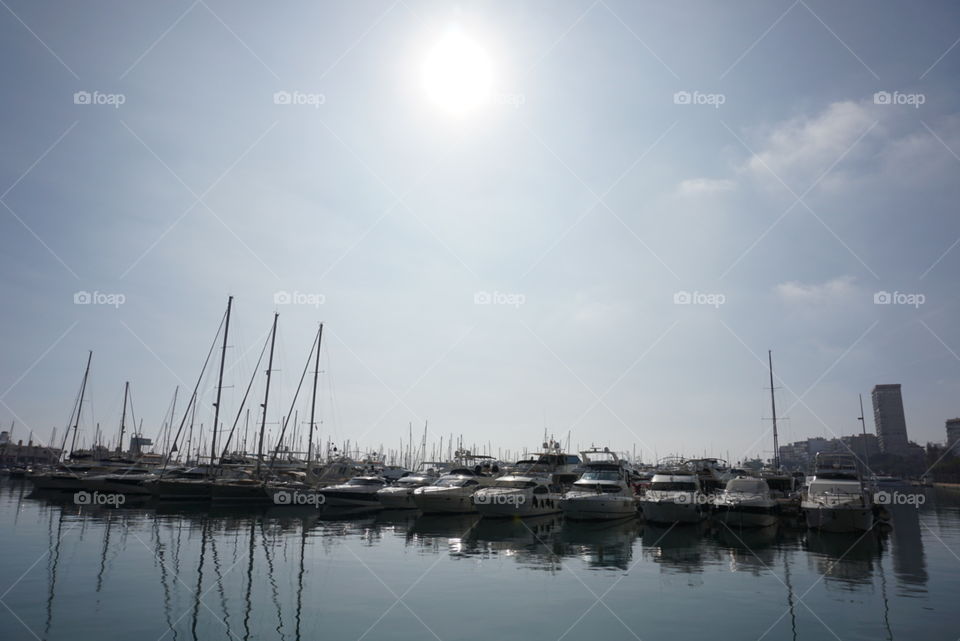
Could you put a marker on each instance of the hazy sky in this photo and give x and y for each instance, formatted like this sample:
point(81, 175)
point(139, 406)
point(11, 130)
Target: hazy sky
point(586, 196)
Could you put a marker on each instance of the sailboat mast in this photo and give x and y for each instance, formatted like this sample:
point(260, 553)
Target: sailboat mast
point(83, 389)
point(266, 394)
point(313, 401)
point(773, 407)
point(123, 416)
point(863, 424)
point(216, 406)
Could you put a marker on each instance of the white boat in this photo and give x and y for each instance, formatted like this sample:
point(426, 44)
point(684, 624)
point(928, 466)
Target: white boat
point(399, 496)
point(746, 502)
point(675, 496)
point(360, 491)
point(562, 468)
point(452, 493)
point(602, 492)
point(836, 499)
point(518, 495)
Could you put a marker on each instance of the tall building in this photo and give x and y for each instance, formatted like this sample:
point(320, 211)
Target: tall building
point(889, 420)
point(953, 435)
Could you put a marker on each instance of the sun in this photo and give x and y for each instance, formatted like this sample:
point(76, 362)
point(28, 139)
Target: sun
point(457, 74)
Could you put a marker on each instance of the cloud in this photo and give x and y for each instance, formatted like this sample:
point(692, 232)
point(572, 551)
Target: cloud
point(699, 186)
point(795, 292)
point(801, 149)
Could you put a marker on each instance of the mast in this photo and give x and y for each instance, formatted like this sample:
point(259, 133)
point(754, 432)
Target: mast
point(773, 407)
point(313, 403)
point(216, 406)
point(266, 394)
point(123, 416)
point(863, 424)
point(83, 389)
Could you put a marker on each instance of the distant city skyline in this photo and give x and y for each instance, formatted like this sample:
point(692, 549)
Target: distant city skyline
point(593, 220)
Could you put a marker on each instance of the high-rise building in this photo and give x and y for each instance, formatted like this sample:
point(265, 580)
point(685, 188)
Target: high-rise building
point(888, 418)
point(953, 435)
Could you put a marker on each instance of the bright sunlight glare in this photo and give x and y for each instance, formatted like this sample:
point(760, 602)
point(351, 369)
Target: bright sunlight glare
point(457, 74)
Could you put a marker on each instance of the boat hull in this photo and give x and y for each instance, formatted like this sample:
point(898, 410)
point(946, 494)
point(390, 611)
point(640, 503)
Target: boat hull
point(399, 500)
point(745, 516)
point(181, 490)
point(335, 498)
point(598, 508)
point(444, 503)
point(531, 506)
point(129, 486)
point(239, 492)
point(57, 482)
point(839, 519)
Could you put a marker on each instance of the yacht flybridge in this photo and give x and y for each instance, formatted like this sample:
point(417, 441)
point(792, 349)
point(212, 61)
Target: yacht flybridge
point(603, 491)
point(836, 499)
point(675, 495)
point(452, 493)
point(746, 502)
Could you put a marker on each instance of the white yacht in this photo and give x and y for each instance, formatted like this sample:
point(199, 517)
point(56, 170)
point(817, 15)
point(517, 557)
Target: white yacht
point(399, 496)
point(746, 502)
point(360, 491)
point(562, 468)
point(602, 492)
point(674, 496)
point(452, 493)
point(836, 499)
point(518, 495)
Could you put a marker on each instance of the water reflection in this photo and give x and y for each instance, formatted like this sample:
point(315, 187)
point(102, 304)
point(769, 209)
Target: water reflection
point(261, 572)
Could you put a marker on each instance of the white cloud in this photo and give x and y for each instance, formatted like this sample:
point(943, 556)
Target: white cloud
point(800, 293)
point(697, 186)
point(801, 149)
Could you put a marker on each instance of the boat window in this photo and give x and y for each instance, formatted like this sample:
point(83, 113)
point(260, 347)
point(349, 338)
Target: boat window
point(471, 482)
point(600, 475)
point(519, 485)
point(364, 482)
point(540, 489)
point(674, 486)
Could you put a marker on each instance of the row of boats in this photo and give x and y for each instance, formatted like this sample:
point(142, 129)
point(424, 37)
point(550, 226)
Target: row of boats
point(597, 485)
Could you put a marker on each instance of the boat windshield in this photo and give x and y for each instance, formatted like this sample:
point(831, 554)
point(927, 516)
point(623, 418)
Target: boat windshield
point(451, 482)
point(516, 484)
point(364, 482)
point(413, 480)
point(674, 486)
point(600, 475)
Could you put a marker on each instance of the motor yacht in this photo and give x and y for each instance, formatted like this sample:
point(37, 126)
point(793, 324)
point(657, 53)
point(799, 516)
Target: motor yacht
point(360, 491)
point(399, 496)
point(675, 496)
point(452, 493)
point(518, 495)
point(603, 491)
point(746, 502)
point(836, 499)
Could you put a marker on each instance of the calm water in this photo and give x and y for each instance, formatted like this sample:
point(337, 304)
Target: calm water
point(178, 573)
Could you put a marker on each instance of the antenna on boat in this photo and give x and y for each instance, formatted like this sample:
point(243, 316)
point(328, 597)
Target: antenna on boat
point(313, 402)
point(123, 416)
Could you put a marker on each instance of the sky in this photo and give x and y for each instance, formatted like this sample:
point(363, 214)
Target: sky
point(630, 204)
